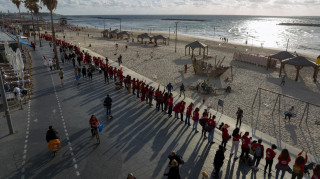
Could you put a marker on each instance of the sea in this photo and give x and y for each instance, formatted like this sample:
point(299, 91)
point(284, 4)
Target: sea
point(261, 31)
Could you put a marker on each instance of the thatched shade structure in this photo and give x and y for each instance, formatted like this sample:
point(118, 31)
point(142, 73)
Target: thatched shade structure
point(105, 33)
point(160, 37)
point(280, 56)
point(299, 62)
point(114, 33)
point(124, 33)
point(143, 36)
point(197, 44)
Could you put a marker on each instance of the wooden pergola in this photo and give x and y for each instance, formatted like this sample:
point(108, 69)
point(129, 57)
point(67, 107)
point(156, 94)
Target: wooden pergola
point(124, 33)
point(299, 62)
point(105, 33)
point(143, 36)
point(280, 56)
point(197, 44)
point(164, 39)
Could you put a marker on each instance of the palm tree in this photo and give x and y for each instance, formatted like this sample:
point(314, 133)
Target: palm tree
point(52, 5)
point(36, 11)
point(17, 3)
point(31, 5)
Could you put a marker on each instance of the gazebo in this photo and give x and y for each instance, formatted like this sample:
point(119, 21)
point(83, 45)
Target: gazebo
point(114, 33)
point(280, 56)
point(160, 37)
point(143, 36)
point(299, 62)
point(123, 33)
point(197, 44)
point(105, 33)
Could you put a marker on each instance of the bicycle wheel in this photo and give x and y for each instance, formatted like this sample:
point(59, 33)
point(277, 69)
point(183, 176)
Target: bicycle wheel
point(97, 136)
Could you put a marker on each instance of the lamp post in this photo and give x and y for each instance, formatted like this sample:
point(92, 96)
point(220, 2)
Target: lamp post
point(175, 46)
point(120, 24)
point(5, 105)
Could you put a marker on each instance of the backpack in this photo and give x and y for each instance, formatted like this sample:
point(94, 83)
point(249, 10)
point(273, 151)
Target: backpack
point(201, 122)
point(208, 127)
point(258, 151)
point(296, 169)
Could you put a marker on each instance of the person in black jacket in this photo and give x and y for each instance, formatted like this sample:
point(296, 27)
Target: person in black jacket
point(51, 134)
point(107, 104)
point(173, 171)
point(174, 156)
point(218, 160)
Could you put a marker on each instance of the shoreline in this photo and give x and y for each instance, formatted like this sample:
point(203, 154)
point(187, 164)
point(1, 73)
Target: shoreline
point(311, 54)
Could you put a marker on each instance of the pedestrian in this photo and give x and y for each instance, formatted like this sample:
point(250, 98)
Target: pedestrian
point(120, 59)
point(316, 172)
point(169, 88)
point(203, 121)
point(107, 104)
point(139, 83)
point(195, 119)
point(173, 171)
point(182, 107)
point(106, 75)
point(84, 72)
point(188, 114)
point(176, 110)
point(77, 74)
point(50, 64)
point(298, 167)
point(283, 163)
point(73, 62)
point(79, 60)
point(185, 68)
point(211, 125)
point(239, 116)
point(174, 156)
point(225, 135)
point(182, 89)
point(170, 104)
point(134, 86)
point(258, 153)
point(61, 74)
point(150, 95)
point(245, 147)
point(270, 154)
point(235, 142)
point(283, 80)
point(165, 101)
point(107, 60)
point(89, 70)
point(218, 161)
point(130, 176)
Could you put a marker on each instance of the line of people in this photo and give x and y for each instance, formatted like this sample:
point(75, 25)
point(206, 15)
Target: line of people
point(164, 101)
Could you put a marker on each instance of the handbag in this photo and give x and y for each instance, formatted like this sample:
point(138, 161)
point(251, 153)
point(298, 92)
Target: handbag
point(100, 127)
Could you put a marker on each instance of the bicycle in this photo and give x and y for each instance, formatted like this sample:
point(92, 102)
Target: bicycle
point(96, 133)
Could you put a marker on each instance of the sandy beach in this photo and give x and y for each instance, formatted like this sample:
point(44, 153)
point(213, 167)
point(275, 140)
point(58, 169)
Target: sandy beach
point(167, 66)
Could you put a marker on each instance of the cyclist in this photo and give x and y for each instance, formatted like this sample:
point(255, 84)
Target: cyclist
point(51, 134)
point(94, 123)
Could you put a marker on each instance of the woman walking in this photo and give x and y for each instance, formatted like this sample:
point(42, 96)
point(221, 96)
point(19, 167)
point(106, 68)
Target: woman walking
point(235, 142)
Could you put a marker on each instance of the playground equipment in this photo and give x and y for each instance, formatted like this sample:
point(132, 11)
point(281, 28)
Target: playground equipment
point(281, 99)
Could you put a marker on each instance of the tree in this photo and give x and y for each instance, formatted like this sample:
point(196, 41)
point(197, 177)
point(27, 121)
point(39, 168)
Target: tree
point(17, 3)
point(31, 5)
point(36, 11)
point(52, 5)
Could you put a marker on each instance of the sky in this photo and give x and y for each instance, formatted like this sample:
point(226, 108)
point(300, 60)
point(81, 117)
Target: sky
point(209, 7)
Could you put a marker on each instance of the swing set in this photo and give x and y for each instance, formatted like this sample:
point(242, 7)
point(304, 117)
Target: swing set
point(278, 101)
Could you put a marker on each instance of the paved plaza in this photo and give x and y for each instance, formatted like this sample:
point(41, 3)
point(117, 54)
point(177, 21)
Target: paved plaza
point(137, 140)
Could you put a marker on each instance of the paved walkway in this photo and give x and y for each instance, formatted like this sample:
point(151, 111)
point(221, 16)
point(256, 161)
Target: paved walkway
point(138, 139)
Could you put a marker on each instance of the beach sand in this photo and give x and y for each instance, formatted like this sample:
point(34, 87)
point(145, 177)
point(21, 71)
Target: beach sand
point(167, 66)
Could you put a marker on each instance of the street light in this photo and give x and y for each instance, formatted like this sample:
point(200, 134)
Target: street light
point(175, 46)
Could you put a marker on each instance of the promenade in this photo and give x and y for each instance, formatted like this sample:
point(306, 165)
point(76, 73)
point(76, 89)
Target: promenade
point(138, 139)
